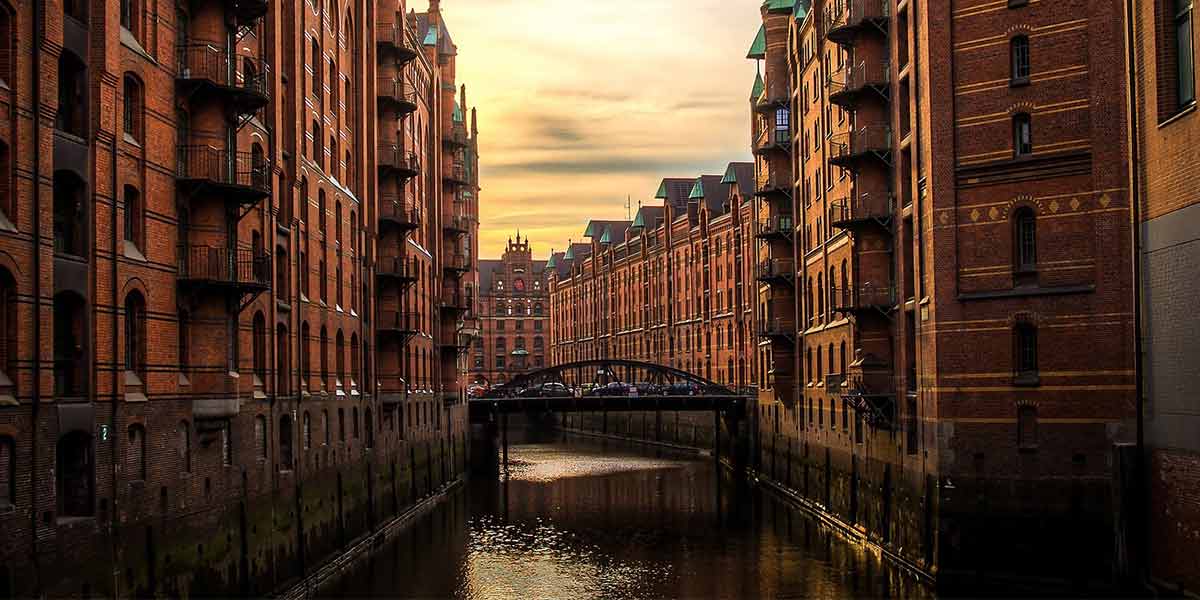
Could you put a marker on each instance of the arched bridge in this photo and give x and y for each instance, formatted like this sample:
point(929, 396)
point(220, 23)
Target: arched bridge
point(608, 385)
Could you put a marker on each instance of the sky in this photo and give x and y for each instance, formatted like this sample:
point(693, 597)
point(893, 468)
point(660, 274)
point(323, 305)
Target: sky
point(583, 103)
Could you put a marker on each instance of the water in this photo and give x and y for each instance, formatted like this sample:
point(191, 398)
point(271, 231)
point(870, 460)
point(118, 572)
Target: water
point(582, 519)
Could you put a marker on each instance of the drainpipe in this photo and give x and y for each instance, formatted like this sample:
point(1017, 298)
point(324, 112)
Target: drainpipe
point(116, 369)
point(35, 471)
point(1133, 113)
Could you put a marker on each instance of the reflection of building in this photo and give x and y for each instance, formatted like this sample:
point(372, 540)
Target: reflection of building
point(513, 316)
point(1168, 128)
point(229, 231)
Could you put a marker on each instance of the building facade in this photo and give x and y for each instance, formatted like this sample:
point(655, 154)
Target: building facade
point(931, 264)
point(1166, 134)
point(514, 316)
point(217, 218)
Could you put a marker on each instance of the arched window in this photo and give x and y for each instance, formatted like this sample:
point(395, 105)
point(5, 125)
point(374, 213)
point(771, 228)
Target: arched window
point(845, 284)
point(69, 211)
point(137, 451)
point(283, 369)
point(820, 297)
point(131, 17)
point(70, 356)
point(8, 329)
point(282, 289)
point(1022, 135)
point(259, 346)
point(340, 358)
point(349, 174)
point(260, 436)
point(354, 421)
point(337, 220)
point(1025, 240)
point(307, 431)
point(325, 426)
point(135, 334)
point(8, 472)
point(7, 195)
point(72, 93)
point(318, 152)
point(184, 341)
point(7, 49)
point(341, 424)
point(842, 357)
point(133, 108)
point(285, 442)
point(305, 355)
point(75, 477)
point(135, 218)
point(335, 170)
point(1026, 343)
point(260, 173)
point(321, 210)
point(324, 349)
point(315, 66)
point(1018, 50)
point(355, 375)
point(183, 441)
point(304, 200)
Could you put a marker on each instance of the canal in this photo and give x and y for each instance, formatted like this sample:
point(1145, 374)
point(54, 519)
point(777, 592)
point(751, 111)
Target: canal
point(586, 518)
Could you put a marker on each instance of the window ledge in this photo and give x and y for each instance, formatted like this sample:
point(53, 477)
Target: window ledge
point(1027, 380)
point(6, 224)
point(130, 41)
point(1178, 115)
point(131, 251)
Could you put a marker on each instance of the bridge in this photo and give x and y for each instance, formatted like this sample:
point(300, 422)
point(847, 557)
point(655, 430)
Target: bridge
point(656, 388)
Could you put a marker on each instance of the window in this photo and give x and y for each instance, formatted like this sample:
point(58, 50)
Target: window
point(1026, 353)
point(1019, 55)
point(8, 327)
point(8, 472)
point(6, 47)
point(260, 436)
point(328, 431)
point(324, 349)
point(355, 376)
point(184, 350)
point(135, 218)
point(135, 334)
point(1027, 428)
point(305, 355)
point(183, 446)
point(315, 67)
point(1022, 135)
point(132, 109)
point(285, 442)
point(129, 16)
point(72, 95)
point(340, 357)
point(1026, 240)
point(321, 210)
point(281, 275)
point(70, 350)
point(318, 153)
point(227, 444)
point(283, 368)
point(69, 213)
point(7, 194)
point(136, 455)
point(1185, 51)
point(75, 481)
point(259, 347)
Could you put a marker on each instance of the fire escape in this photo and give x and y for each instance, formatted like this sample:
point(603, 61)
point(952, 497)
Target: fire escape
point(863, 89)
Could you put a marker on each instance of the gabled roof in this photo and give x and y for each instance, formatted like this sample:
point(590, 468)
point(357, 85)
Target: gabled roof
point(709, 191)
point(674, 192)
point(756, 92)
point(577, 251)
point(648, 216)
point(597, 229)
point(802, 8)
point(758, 48)
point(777, 5)
point(740, 174)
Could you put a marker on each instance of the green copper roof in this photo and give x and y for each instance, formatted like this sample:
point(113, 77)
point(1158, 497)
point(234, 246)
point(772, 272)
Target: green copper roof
point(661, 194)
point(570, 255)
point(431, 37)
point(759, 87)
point(802, 8)
point(607, 237)
point(458, 113)
point(779, 4)
point(730, 175)
point(758, 49)
point(591, 230)
point(553, 262)
point(697, 190)
point(639, 220)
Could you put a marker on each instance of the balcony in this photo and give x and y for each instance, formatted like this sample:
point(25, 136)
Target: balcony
point(459, 342)
point(857, 16)
point(870, 397)
point(403, 324)
point(851, 149)
point(768, 104)
point(396, 94)
point(456, 174)
point(456, 226)
point(389, 36)
point(851, 85)
point(457, 138)
point(394, 159)
point(248, 11)
point(778, 329)
point(775, 184)
point(396, 211)
point(399, 269)
point(241, 177)
point(455, 300)
point(866, 209)
point(773, 139)
point(209, 69)
point(235, 270)
point(777, 271)
point(777, 228)
point(457, 264)
point(863, 299)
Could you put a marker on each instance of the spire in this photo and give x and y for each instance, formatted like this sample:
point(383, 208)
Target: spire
point(474, 125)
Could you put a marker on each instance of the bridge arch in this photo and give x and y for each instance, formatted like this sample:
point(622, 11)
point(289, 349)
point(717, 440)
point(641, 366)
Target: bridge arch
point(603, 371)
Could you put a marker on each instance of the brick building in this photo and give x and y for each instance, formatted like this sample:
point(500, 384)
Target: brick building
point(1166, 134)
point(513, 315)
point(221, 222)
point(930, 267)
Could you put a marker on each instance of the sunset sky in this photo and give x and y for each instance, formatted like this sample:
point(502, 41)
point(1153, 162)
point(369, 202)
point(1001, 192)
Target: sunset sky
point(582, 103)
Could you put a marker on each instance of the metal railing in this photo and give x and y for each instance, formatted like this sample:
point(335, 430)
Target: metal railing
point(457, 262)
point(393, 320)
point(777, 268)
point(861, 206)
point(395, 207)
point(457, 137)
point(771, 137)
point(455, 298)
point(777, 327)
point(224, 167)
point(211, 62)
point(779, 225)
point(854, 12)
point(858, 297)
point(863, 140)
point(398, 266)
point(876, 73)
point(222, 265)
point(834, 380)
point(395, 156)
point(457, 224)
point(397, 89)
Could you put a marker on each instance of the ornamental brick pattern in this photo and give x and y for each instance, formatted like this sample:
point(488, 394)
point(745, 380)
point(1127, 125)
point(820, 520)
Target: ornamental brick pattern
point(202, 214)
point(513, 315)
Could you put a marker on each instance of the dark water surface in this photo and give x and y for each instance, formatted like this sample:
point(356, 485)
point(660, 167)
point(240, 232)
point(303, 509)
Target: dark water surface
point(582, 518)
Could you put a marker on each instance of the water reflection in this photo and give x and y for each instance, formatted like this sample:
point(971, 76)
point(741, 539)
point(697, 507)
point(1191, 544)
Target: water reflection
point(585, 519)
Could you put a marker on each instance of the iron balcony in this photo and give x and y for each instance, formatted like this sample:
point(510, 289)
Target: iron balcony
point(457, 138)
point(394, 159)
point(239, 270)
point(405, 324)
point(393, 92)
point(777, 228)
point(210, 69)
point(455, 300)
point(457, 225)
point(402, 270)
point(396, 211)
point(389, 36)
point(865, 298)
point(456, 175)
point(865, 209)
point(775, 184)
point(849, 86)
point(773, 139)
point(841, 27)
point(240, 177)
point(457, 263)
point(248, 11)
point(777, 271)
point(850, 149)
point(778, 329)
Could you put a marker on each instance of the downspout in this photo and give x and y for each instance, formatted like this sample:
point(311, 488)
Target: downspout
point(116, 331)
point(35, 471)
point(1134, 113)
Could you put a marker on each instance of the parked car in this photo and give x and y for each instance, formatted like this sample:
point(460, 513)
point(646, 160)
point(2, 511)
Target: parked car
point(476, 390)
point(588, 389)
point(649, 389)
point(682, 388)
point(615, 388)
point(555, 390)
